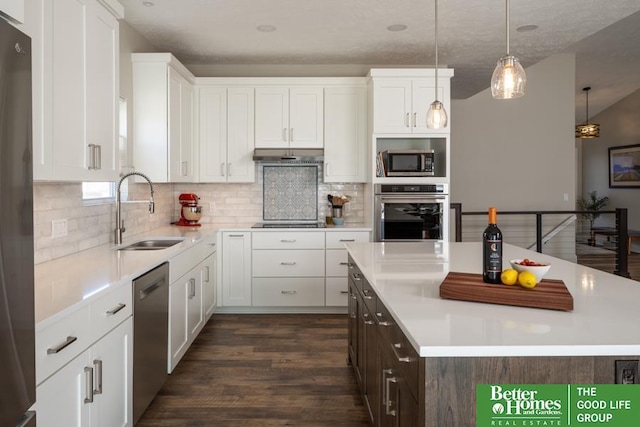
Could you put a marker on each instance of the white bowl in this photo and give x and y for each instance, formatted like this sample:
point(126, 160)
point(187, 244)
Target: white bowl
point(338, 221)
point(538, 271)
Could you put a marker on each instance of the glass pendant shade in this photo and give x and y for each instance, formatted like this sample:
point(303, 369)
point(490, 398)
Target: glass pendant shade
point(509, 79)
point(436, 116)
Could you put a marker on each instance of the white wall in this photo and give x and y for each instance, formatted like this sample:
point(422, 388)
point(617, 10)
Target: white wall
point(518, 154)
point(619, 126)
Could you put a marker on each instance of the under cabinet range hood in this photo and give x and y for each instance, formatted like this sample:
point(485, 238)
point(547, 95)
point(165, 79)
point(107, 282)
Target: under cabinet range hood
point(288, 155)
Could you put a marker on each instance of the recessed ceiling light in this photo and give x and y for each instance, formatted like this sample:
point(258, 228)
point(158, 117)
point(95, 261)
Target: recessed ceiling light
point(148, 3)
point(396, 27)
point(266, 28)
point(525, 28)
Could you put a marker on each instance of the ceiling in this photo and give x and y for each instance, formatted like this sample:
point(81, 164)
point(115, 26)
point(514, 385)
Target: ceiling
point(348, 37)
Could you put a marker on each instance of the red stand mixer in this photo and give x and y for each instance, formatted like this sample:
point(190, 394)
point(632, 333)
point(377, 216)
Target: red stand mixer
point(190, 212)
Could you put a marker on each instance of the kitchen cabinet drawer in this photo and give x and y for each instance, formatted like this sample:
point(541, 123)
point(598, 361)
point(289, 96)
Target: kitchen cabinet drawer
point(406, 358)
point(60, 342)
point(337, 240)
point(336, 292)
point(288, 263)
point(288, 292)
point(180, 264)
point(288, 240)
point(337, 263)
point(110, 310)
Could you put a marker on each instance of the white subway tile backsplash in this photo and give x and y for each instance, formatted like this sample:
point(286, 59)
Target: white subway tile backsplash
point(92, 225)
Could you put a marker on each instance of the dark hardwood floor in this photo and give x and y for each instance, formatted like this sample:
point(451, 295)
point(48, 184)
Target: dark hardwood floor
point(263, 370)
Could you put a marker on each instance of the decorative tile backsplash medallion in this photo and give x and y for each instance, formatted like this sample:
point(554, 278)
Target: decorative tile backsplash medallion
point(290, 193)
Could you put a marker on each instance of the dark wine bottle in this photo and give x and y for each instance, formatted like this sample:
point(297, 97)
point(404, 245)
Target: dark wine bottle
point(492, 250)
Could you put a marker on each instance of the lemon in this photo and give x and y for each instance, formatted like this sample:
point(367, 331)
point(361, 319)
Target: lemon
point(527, 279)
point(509, 276)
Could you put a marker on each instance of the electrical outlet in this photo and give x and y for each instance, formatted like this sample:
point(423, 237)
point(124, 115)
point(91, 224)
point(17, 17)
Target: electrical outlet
point(627, 372)
point(59, 228)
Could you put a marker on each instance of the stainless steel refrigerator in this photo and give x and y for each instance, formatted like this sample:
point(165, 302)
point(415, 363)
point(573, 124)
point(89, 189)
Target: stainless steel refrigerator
point(17, 332)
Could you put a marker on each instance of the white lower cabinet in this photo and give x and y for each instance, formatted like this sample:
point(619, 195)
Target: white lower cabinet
point(337, 265)
point(209, 274)
point(236, 268)
point(190, 297)
point(94, 389)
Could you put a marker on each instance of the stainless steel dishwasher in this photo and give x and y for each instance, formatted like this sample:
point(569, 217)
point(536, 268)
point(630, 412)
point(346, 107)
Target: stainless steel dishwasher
point(150, 336)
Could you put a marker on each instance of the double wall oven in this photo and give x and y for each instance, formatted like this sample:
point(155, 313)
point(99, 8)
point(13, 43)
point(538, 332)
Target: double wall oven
point(409, 212)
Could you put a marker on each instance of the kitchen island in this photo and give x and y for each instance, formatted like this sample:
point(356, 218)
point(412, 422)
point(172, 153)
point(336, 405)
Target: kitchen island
point(455, 345)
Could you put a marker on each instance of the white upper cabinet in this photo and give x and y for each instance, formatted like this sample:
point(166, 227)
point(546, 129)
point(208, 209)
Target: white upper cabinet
point(13, 10)
point(163, 102)
point(76, 89)
point(345, 146)
point(401, 99)
point(289, 117)
point(226, 134)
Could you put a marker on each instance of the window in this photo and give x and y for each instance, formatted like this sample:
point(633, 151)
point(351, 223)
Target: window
point(105, 192)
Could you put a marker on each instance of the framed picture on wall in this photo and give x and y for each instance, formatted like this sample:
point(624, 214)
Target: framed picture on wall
point(624, 166)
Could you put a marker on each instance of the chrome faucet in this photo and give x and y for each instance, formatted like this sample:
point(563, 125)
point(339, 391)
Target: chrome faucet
point(119, 222)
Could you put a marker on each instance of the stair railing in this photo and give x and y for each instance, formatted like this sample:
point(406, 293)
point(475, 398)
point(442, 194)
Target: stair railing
point(622, 230)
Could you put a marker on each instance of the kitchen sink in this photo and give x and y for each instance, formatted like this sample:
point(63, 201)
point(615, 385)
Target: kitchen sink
point(151, 245)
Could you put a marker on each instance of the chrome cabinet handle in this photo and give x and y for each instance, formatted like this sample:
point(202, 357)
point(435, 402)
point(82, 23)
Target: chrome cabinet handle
point(57, 349)
point(92, 156)
point(192, 288)
point(98, 367)
point(383, 322)
point(405, 359)
point(406, 120)
point(344, 292)
point(117, 309)
point(347, 240)
point(88, 388)
point(356, 276)
point(366, 294)
point(236, 235)
point(414, 119)
point(354, 297)
point(387, 379)
point(222, 168)
point(288, 263)
point(98, 156)
point(288, 292)
point(366, 316)
point(288, 240)
point(344, 263)
point(206, 275)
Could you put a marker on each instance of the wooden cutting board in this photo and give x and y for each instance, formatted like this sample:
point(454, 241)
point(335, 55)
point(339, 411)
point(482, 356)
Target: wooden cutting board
point(549, 294)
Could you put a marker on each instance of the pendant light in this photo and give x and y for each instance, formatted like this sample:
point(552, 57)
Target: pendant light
point(508, 80)
point(587, 130)
point(436, 115)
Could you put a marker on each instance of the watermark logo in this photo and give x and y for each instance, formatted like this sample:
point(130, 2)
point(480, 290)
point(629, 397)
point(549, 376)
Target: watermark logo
point(557, 405)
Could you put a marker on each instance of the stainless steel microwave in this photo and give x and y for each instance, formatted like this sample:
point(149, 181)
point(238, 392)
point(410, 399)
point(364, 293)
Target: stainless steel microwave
point(409, 162)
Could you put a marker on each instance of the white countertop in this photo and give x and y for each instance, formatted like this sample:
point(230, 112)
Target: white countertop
point(64, 284)
point(406, 278)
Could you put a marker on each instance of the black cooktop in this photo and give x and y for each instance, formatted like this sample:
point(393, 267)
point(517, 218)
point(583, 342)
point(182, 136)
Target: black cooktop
point(289, 225)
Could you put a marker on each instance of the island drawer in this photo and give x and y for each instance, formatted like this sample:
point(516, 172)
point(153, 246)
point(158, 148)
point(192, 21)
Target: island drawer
point(288, 292)
point(407, 358)
point(287, 240)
